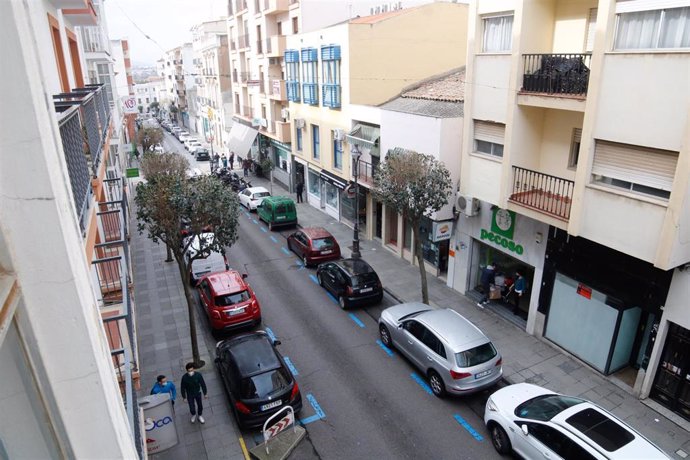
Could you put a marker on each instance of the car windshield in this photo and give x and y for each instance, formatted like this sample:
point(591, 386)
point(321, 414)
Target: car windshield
point(476, 355)
point(546, 407)
point(232, 299)
point(600, 429)
point(265, 384)
point(323, 243)
point(258, 195)
point(363, 278)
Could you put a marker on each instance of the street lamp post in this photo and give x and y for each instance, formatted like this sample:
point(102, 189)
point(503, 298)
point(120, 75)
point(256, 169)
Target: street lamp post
point(356, 154)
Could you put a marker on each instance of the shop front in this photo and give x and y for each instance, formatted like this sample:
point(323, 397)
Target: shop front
point(324, 190)
point(279, 153)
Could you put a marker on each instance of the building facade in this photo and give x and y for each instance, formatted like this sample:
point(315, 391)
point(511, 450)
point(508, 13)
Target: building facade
point(559, 160)
point(149, 92)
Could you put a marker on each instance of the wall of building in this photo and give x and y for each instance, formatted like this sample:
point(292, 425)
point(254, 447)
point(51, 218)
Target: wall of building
point(570, 27)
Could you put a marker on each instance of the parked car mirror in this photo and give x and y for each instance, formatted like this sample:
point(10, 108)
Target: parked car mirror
point(525, 430)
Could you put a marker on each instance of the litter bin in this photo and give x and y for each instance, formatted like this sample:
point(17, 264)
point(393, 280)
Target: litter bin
point(159, 423)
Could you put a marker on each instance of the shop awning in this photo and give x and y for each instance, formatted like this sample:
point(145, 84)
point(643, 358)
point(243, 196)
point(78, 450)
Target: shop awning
point(366, 137)
point(241, 139)
point(333, 179)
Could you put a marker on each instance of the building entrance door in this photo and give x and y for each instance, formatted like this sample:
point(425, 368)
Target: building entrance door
point(672, 384)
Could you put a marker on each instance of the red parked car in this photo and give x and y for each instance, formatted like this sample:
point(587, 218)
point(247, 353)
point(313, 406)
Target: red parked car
point(314, 245)
point(228, 300)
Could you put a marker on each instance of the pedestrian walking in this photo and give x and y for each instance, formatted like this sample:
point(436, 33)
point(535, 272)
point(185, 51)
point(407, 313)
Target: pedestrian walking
point(246, 164)
point(300, 190)
point(216, 160)
point(162, 385)
point(192, 386)
point(519, 289)
point(232, 160)
point(487, 279)
point(224, 159)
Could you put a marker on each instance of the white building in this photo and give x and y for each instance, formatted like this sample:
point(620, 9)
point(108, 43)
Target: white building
point(122, 67)
point(149, 92)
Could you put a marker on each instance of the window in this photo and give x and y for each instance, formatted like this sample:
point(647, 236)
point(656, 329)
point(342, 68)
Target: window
point(575, 148)
point(332, 195)
point(337, 154)
point(292, 75)
point(314, 184)
point(476, 355)
point(315, 141)
point(434, 344)
point(636, 169)
point(545, 407)
point(667, 29)
point(310, 64)
point(59, 54)
point(415, 328)
point(488, 138)
point(330, 60)
point(498, 34)
point(298, 132)
point(600, 429)
point(295, 25)
point(104, 77)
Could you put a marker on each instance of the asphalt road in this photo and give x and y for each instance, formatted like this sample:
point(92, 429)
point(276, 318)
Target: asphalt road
point(359, 399)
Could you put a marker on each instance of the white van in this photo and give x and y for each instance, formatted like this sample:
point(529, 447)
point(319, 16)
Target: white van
point(214, 262)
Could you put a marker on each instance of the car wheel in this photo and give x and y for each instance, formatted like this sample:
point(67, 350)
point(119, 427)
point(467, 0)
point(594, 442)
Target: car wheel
point(385, 336)
point(500, 440)
point(342, 302)
point(436, 384)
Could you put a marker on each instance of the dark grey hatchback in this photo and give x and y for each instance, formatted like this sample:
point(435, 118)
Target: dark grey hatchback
point(256, 378)
point(352, 281)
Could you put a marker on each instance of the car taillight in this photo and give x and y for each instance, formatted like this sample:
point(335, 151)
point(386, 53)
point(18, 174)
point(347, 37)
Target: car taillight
point(348, 291)
point(215, 314)
point(242, 408)
point(459, 375)
point(255, 305)
point(295, 392)
point(499, 362)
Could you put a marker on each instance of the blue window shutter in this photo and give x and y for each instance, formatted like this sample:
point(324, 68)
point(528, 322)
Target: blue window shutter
point(309, 55)
point(330, 53)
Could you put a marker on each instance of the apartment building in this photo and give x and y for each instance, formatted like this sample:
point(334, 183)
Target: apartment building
point(122, 67)
point(179, 81)
point(67, 345)
point(212, 79)
point(335, 78)
point(575, 172)
point(149, 92)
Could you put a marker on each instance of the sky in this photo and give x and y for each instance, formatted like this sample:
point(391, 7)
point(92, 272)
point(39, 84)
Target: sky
point(167, 22)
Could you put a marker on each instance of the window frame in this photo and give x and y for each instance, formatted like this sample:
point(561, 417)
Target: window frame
point(338, 151)
point(657, 35)
point(490, 16)
point(298, 139)
point(316, 142)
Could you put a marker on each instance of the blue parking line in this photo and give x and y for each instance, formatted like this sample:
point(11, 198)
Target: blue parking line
point(292, 367)
point(263, 229)
point(315, 405)
point(388, 351)
point(273, 238)
point(300, 265)
point(254, 220)
point(357, 321)
point(332, 297)
point(310, 419)
point(314, 278)
point(422, 383)
point(270, 333)
point(284, 249)
point(468, 427)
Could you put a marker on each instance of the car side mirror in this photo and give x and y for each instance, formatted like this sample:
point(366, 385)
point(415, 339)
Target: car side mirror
point(244, 276)
point(276, 342)
point(525, 430)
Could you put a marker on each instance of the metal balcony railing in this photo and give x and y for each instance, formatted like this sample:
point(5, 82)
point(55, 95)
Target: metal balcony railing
point(544, 193)
point(243, 41)
point(556, 73)
point(365, 171)
point(331, 96)
point(245, 76)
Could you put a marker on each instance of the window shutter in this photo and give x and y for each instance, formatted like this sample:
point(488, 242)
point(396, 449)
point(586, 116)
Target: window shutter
point(631, 6)
point(577, 135)
point(591, 29)
point(650, 167)
point(489, 132)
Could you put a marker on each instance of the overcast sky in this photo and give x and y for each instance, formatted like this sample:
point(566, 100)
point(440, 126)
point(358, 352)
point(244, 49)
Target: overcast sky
point(167, 22)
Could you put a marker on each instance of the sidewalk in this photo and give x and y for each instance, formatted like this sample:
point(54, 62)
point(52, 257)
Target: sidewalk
point(525, 358)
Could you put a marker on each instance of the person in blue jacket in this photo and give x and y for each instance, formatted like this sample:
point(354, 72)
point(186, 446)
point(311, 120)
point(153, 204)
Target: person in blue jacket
point(162, 385)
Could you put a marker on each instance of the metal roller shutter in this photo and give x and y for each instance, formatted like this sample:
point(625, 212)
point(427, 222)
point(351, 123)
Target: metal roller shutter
point(630, 6)
point(638, 165)
point(489, 132)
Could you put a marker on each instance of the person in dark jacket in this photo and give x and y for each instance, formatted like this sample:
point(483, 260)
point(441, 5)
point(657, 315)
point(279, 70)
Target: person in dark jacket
point(191, 387)
point(518, 291)
point(487, 279)
point(162, 385)
point(300, 190)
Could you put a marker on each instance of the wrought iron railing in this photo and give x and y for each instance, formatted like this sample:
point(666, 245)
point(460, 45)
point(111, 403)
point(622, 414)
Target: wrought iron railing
point(365, 171)
point(548, 194)
point(91, 124)
point(556, 73)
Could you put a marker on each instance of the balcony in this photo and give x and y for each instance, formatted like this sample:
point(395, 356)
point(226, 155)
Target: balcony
point(240, 7)
point(245, 77)
point(556, 74)
point(243, 41)
point(282, 131)
point(365, 172)
point(275, 6)
point(259, 47)
point(275, 46)
point(331, 96)
point(246, 111)
point(278, 90)
point(544, 193)
point(310, 93)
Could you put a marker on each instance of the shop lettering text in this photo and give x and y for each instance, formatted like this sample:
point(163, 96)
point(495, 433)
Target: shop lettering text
point(501, 241)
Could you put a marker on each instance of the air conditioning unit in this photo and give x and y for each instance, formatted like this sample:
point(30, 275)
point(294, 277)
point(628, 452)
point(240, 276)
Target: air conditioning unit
point(285, 113)
point(299, 123)
point(273, 61)
point(468, 205)
point(338, 134)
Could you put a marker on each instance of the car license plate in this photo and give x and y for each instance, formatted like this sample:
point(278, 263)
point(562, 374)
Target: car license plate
point(280, 217)
point(482, 374)
point(235, 312)
point(326, 252)
point(271, 405)
point(366, 290)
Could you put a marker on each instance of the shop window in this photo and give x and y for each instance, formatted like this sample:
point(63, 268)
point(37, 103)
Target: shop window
point(332, 195)
point(314, 184)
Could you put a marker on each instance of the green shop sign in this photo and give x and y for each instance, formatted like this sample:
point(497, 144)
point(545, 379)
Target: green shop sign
point(502, 230)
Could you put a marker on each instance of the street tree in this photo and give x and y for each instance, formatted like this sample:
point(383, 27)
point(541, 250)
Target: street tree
point(173, 111)
point(414, 185)
point(154, 107)
point(147, 137)
point(164, 163)
point(175, 211)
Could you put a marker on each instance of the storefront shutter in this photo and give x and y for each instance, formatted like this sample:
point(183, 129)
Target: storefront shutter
point(489, 132)
point(649, 167)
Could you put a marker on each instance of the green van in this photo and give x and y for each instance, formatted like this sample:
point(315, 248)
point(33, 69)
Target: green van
point(277, 211)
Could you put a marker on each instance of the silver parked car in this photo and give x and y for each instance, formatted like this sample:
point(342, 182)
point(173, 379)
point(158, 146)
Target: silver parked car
point(452, 352)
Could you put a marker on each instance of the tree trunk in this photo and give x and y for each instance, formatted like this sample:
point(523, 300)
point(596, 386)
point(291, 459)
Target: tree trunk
point(169, 256)
point(420, 261)
point(191, 303)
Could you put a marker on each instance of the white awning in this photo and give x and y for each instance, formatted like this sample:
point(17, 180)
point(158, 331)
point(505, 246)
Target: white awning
point(241, 139)
point(366, 137)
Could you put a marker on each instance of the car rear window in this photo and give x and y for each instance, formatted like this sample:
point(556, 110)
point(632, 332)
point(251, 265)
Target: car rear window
point(281, 208)
point(261, 195)
point(476, 355)
point(232, 299)
point(263, 385)
point(363, 278)
point(545, 407)
point(323, 243)
point(601, 429)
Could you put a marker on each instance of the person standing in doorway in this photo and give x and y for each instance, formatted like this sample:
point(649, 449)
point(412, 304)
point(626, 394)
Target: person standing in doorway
point(232, 160)
point(487, 279)
point(162, 385)
point(518, 290)
point(246, 164)
point(300, 189)
point(191, 387)
point(224, 159)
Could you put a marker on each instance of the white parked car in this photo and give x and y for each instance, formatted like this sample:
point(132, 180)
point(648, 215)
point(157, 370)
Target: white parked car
point(156, 148)
point(252, 197)
point(183, 137)
point(537, 423)
point(191, 145)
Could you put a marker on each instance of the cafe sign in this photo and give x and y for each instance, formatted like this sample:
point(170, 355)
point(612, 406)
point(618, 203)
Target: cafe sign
point(502, 230)
point(440, 231)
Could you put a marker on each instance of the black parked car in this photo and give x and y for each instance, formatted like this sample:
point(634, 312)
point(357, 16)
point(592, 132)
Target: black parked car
point(202, 154)
point(256, 378)
point(352, 281)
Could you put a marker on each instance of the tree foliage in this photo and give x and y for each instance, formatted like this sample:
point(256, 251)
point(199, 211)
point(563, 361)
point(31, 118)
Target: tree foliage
point(167, 203)
point(414, 185)
point(164, 163)
point(146, 137)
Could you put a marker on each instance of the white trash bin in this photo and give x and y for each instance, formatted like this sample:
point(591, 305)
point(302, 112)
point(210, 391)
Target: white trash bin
point(159, 423)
